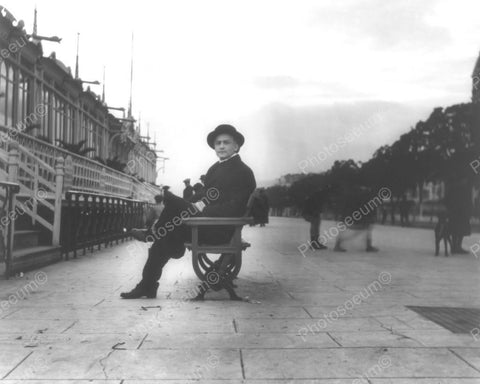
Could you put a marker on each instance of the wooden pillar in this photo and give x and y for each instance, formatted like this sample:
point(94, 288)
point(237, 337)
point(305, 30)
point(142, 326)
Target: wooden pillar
point(13, 159)
point(57, 214)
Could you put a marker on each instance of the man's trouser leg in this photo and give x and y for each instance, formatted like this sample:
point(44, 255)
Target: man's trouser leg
point(157, 258)
point(315, 229)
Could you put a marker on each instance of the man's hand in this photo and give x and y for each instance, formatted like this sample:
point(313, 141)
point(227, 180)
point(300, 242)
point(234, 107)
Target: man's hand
point(200, 205)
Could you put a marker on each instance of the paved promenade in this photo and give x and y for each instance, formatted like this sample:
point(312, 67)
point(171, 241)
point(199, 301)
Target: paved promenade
point(323, 318)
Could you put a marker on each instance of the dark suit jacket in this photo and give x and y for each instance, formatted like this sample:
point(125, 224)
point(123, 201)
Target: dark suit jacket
point(228, 186)
point(235, 182)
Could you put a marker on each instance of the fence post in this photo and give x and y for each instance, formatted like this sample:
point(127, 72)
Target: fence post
point(103, 177)
point(57, 213)
point(13, 157)
point(68, 174)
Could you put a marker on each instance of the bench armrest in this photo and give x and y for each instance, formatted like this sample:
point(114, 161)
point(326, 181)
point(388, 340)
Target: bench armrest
point(201, 221)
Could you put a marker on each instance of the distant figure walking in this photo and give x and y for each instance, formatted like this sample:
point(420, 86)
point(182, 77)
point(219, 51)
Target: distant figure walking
point(188, 191)
point(258, 207)
point(357, 202)
point(458, 201)
point(312, 210)
point(264, 207)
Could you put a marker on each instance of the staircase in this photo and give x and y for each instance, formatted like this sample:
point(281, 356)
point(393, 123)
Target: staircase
point(32, 242)
point(44, 172)
point(35, 243)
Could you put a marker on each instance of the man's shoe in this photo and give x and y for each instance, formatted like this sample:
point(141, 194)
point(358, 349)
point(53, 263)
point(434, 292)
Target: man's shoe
point(339, 249)
point(317, 245)
point(140, 291)
point(372, 249)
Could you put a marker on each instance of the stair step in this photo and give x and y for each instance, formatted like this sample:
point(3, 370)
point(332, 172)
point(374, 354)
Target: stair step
point(26, 239)
point(34, 257)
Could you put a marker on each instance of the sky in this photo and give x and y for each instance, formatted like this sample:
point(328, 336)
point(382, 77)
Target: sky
point(294, 76)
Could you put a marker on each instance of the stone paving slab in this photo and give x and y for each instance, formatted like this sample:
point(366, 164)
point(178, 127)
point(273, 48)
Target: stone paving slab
point(151, 324)
point(425, 381)
point(277, 337)
point(284, 381)
point(239, 341)
point(56, 313)
point(37, 341)
point(31, 327)
point(442, 338)
point(61, 382)
point(64, 363)
point(373, 339)
point(469, 355)
point(363, 310)
point(225, 309)
point(309, 325)
point(357, 362)
point(175, 364)
point(11, 357)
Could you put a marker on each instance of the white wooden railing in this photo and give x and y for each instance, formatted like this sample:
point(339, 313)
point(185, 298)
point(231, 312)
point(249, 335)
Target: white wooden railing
point(81, 173)
point(45, 172)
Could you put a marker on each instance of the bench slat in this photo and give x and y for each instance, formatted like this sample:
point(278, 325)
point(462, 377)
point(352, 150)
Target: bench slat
point(223, 248)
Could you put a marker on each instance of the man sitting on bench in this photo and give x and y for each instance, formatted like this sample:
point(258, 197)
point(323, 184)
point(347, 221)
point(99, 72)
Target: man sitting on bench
point(228, 185)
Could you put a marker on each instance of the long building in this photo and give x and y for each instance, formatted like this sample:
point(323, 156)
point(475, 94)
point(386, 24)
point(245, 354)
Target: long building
point(40, 97)
point(72, 174)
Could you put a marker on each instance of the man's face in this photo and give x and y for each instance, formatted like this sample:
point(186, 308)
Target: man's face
point(225, 146)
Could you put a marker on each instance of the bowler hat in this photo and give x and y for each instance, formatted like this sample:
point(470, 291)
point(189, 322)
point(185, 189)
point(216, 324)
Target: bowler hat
point(225, 129)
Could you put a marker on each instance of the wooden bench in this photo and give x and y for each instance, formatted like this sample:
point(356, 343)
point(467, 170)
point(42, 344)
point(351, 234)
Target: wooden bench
point(217, 274)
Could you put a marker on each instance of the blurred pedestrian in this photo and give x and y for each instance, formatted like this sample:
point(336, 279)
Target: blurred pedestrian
point(257, 207)
point(359, 201)
point(458, 200)
point(311, 212)
point(264, 207)
point(188, 191)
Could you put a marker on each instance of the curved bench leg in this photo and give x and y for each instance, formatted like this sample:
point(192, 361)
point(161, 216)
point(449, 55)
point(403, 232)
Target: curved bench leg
point(223, 270)
point(227, 284)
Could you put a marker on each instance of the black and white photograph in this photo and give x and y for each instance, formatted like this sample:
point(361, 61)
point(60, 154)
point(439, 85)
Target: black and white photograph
point(240, 192)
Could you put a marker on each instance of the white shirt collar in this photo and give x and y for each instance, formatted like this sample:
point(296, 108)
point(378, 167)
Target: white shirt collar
point(231, 157)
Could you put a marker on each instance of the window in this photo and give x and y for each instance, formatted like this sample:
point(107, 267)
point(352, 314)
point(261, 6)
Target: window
point(9, 96)
point(46, 114)
point(69, 123)
point(58, 117)
point(23, 118)
point(3, 91)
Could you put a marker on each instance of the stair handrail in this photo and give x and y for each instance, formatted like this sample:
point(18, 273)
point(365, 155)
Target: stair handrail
point(89, 175)
point(7, 223)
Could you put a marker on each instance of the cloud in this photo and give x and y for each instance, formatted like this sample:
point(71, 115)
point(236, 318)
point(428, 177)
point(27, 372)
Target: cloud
point(308, 91)
point(276, 82)
point(281, 136)
point(387, 24)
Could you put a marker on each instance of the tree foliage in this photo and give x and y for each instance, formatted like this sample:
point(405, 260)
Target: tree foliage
point(438, 149)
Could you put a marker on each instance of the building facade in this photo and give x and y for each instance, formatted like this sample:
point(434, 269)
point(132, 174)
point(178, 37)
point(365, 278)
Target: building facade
point(40, 97)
